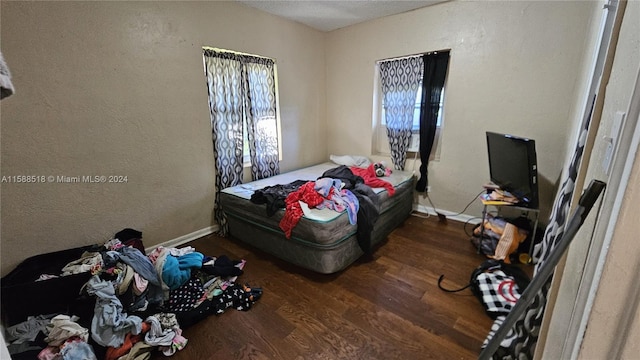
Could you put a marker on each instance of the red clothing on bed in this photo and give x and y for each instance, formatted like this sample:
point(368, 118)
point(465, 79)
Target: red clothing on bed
point(293, 212)
point(370, 178)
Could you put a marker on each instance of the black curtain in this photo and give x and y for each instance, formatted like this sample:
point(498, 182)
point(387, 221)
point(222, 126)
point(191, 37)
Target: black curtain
point(435, 71)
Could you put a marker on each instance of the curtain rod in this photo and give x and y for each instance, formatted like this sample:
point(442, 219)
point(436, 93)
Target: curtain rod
point(235, 52)
point(413, 55)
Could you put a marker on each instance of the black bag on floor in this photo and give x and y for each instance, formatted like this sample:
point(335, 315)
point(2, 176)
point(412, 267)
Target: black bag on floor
point(497, 285)
point(22, 296)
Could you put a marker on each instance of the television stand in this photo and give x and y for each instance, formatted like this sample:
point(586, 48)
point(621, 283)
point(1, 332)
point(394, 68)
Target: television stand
point(498, 205)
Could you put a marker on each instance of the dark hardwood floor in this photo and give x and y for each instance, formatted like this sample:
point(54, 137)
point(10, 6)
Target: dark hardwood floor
point(388, 307)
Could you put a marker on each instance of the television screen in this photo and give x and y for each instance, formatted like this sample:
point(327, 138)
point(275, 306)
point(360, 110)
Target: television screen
point(513, 166)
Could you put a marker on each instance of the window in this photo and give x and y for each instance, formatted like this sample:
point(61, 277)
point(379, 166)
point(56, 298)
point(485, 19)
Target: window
point(243, 103)
point(381, 142)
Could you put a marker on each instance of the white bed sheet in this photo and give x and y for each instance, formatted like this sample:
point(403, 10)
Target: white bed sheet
point(310, 173)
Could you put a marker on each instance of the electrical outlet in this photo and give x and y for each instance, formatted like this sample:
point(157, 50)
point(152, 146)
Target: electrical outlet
point(429, 188)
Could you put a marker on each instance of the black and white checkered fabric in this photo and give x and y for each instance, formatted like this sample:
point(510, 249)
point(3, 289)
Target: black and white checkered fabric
point(506, 342)
point(499, 292)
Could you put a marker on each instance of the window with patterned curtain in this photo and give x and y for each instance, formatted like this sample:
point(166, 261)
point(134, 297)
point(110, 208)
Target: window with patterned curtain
point(243, 106)
point(401, 97)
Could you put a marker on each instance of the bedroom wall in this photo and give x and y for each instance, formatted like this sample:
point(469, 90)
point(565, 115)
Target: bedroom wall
point(606, 239)
point(590, 243)
point(514, 68)
point(117, 88)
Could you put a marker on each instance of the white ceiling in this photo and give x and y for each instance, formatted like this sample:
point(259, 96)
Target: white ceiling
point(330, 15)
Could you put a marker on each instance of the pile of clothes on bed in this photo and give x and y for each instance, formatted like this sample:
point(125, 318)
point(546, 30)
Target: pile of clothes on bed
point(343, 188)
point(140, 302)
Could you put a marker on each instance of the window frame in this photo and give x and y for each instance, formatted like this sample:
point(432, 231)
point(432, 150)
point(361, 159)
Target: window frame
point(380, 143)
point(246, 156)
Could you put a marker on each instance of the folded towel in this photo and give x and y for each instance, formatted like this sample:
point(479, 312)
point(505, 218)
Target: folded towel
point(6, 87)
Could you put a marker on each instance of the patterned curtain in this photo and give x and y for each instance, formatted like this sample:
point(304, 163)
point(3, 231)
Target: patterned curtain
point(520, 342)
point(241, 92)
point(224, 85)
point(262, 125)
point(400, 79)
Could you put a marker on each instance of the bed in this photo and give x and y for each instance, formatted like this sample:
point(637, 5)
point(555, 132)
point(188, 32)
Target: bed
point(323, 240)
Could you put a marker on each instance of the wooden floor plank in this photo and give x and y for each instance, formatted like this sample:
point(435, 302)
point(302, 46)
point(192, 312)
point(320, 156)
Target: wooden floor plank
point(386, 307)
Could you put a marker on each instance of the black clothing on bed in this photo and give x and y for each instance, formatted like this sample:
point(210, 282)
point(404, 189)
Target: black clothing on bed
point(369, 209)
point(275, 196)
point(345, 174)
point(368, 214)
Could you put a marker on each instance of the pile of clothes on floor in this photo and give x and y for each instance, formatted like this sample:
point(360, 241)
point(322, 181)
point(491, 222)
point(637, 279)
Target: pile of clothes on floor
point(140, 302)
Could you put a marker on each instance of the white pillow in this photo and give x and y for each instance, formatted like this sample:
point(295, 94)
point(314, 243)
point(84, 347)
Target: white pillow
point(351, 160)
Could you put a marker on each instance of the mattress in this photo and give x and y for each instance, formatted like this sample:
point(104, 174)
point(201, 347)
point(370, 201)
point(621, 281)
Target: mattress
point(323, 240)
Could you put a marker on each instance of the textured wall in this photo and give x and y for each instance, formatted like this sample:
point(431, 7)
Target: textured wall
point(117, 88)
point(514, 69)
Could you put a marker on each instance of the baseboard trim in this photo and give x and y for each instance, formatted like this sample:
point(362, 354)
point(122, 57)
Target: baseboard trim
point(185, 238)
point(450, 215)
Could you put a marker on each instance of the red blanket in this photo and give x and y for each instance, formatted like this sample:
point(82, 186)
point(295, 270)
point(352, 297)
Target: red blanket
point(370, 178)
point(293, 211)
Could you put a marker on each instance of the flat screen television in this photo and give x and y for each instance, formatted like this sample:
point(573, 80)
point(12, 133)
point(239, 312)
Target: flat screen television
point(513, 166)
